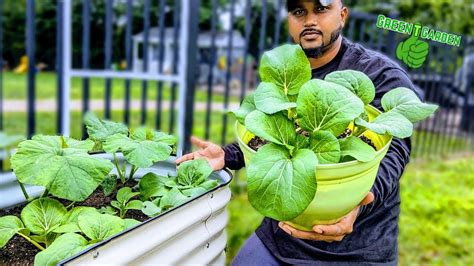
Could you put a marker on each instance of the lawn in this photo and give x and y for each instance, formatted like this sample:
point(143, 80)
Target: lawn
point(15, 123)
point(14, 87)
point(436, 221)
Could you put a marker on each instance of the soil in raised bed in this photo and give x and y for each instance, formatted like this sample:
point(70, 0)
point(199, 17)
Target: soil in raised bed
point(18, 251)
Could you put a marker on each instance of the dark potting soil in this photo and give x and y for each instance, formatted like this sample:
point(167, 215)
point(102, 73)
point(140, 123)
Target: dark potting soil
point(368, 141)
point(18, 251)
point(256, 143)
point(345, 134)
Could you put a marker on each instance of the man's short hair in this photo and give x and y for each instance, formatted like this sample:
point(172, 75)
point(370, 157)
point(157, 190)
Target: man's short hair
point(293, 4)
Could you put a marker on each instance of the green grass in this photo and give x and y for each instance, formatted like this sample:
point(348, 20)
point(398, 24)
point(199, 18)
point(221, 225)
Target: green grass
point(14, 87)
point(438, 145)
point(436, 222)
point(15, 123)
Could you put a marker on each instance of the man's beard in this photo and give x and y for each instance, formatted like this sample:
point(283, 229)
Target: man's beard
point(321, 50)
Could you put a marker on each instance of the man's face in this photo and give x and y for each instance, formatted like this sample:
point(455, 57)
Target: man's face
point(316, 27)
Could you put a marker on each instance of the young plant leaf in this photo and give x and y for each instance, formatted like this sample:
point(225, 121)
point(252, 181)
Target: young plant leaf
point(125, 194)
point(134, 205)
point(141, 153)
point(405, 102)
point(270, 99)
point(98, 227)
point(323, 105)
point(194, 172)
point(391, 123)
point(9, 226)
point(164, 138)
point(109, 184)
point(195, 191)
point(68, 228)
point(356, 81)
point(150, 209)
point(68, 173)
point(172, 199)
point(209, 184)
point(356, 148)
point(100, 130)
point(127, 223)
point(108, 210)
point(152, 185)
point(302, 142)
point(287, 67)
point(276, 128)
point(43, 215)
point(247, 106)
point(326, 147)
point(64, 246)
point(85, 145)
point(280, 186)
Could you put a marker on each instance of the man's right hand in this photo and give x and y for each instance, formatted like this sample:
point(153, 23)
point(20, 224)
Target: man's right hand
point(213, 153)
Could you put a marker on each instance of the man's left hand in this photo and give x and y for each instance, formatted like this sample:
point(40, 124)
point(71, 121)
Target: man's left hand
point(332, 232)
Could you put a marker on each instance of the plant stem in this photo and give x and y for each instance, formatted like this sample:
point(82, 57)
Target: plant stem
point(121, 175)
point(70, 205)
point(132, 172)
point(31, 241)
point(45, 193)
point(27, 197)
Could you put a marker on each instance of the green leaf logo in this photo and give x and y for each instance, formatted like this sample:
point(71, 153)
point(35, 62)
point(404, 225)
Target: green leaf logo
point(413, 52)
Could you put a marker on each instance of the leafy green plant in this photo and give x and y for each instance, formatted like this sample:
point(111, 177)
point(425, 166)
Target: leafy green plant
point(38, 221)
point(124, 202)
point(305, 122)
point(161, 193)
point(67, 170)
point(82, 227)
point(141, 147)
point(60, 164)
point(58, 233)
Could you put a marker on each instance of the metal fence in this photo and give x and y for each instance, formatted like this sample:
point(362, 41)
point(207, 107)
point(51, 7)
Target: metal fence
point(222, 57)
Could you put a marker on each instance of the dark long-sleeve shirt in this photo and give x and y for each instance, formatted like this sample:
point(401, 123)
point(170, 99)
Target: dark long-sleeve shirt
point(374, 238)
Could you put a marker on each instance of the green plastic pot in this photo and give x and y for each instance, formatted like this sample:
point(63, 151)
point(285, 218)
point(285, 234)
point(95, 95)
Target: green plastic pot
point(341, 186)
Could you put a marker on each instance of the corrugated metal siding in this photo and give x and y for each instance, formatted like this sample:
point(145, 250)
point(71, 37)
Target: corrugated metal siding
point(194, 233)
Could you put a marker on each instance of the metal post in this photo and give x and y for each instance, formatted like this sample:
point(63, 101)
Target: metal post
point(188, 62)
point(108, 55)
point(30, 51)
point(162, 27)
point(85, 58)
point(146, 33)
point(128, 56)
point(1, 67)
point(67, 58)
point(59, 65)
point(176, 26)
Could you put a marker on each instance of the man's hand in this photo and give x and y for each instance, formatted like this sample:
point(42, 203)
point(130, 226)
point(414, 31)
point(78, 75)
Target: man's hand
point(332, 232)
point(213, 153)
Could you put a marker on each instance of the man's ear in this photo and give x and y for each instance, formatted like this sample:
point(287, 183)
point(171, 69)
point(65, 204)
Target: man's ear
point(344, 16)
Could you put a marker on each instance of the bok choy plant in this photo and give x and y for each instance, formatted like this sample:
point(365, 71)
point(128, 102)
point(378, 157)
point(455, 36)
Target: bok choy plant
point(306, 122)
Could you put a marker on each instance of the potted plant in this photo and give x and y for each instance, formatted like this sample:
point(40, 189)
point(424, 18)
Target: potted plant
point(91, 199)
point(312, 147)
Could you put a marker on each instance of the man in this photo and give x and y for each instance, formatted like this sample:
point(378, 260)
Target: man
point(368, 234)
